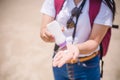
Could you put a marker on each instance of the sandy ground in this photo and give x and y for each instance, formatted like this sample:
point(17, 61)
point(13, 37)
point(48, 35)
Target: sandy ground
point(24, 56)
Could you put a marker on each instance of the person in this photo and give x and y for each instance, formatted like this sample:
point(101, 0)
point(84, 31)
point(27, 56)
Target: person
point(86, 41)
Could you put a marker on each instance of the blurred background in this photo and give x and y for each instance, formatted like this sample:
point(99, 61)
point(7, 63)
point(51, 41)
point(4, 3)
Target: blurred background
point(24, 56)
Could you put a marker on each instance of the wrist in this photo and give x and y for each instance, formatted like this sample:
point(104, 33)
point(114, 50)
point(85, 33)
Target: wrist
point(77, 46)
point(62, 45)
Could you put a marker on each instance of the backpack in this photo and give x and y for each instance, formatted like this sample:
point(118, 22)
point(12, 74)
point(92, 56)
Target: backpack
point(94, 7)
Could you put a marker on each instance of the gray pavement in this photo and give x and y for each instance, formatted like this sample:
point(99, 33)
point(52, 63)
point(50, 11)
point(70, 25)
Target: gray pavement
point(24, 56)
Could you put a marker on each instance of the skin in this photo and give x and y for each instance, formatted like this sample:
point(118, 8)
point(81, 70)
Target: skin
point(44, 34)
point(76, 2)
point(72, 51)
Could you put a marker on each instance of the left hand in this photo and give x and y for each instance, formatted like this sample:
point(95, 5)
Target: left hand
point(63, 56)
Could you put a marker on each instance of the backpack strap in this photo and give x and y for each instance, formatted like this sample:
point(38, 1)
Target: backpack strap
point(94, 7)
point(58, 6)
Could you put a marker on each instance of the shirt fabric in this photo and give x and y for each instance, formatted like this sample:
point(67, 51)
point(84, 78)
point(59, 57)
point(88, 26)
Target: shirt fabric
point(83, 30)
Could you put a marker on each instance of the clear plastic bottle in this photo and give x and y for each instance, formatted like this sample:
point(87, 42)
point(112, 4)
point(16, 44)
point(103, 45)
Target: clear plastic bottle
point(55, 29)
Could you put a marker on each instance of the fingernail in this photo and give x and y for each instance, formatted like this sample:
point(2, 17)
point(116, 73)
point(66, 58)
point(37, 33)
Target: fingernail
point(54, 65)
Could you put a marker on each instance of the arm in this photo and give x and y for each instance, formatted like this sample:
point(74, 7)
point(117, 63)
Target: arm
point(96, 36)
point(44, 34)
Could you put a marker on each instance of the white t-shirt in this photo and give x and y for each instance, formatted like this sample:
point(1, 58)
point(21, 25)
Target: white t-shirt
point(83, 30)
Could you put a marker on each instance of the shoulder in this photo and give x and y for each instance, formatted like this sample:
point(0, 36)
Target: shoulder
point(105, 16)
point(48, 8)
point(105, 8)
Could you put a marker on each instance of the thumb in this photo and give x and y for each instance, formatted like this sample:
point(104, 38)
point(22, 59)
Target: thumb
point(49, 34)
point(75, 56)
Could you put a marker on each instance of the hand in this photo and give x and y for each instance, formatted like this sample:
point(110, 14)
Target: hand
point(46, 36)
point(64, 56)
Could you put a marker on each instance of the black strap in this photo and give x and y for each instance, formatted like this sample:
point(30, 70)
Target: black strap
point(102, 62)
point(80, 11)
point(56, 47)
point(115, 26)
point(74, 32)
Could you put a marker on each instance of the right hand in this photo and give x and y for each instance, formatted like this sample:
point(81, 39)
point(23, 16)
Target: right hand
point(68, 55)
point(46, 36)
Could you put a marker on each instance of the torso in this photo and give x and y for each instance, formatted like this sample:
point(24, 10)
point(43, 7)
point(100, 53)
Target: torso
point(83, 26)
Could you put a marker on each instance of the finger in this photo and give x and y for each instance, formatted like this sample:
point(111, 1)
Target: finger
point(57, 56)
point(52, 40)
point(44, 37)
point(62, 62)
point(49, 37)
point(69, 46)
point(76, 53)
point(48, 34)
point(75, 56)
point(56, 63)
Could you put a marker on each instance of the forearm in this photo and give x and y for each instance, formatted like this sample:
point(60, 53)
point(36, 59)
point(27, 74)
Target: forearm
point(96, 36)
point(44, 34)
point(45, 20)
point(88, 46)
